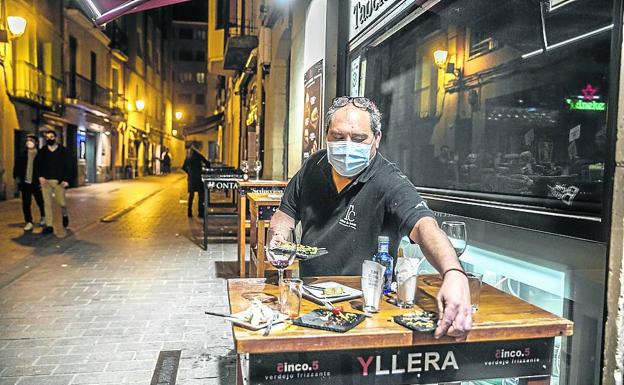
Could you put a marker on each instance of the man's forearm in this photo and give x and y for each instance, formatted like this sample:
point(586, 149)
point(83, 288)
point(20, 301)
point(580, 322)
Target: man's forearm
point(435, 245)
point(280, 220)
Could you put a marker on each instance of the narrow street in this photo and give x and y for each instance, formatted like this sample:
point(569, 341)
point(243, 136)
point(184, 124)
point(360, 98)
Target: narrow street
point(96, 304)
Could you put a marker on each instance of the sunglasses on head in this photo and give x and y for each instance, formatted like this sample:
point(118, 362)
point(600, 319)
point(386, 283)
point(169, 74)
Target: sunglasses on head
point(357, 101)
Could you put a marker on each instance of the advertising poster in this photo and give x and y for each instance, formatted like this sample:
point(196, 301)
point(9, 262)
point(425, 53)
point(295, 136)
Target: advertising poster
point(312, 109)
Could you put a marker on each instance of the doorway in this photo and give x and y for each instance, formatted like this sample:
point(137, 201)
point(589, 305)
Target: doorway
point(90, 157)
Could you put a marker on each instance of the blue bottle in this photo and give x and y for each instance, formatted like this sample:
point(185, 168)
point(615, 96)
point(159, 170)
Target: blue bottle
point(384, 258)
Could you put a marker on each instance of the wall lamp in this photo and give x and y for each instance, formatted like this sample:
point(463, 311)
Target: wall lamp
point(140, 104)
point(178, 115)
point(174, 132)
point(440, 58)
point(16, 28)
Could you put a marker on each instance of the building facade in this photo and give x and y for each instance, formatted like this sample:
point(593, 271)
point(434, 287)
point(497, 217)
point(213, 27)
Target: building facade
point(107, 92)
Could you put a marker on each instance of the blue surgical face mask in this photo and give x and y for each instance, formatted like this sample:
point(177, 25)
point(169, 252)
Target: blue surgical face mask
point(348, 158)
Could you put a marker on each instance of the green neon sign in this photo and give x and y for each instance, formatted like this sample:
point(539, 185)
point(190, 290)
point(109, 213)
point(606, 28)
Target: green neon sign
point(583, 105)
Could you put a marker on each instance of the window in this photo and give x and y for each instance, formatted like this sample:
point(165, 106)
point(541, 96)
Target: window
point(226, 13)
point(185, 98)
point(139, 34)
point(185, 77)
point(185, 55)
point(200, 34)
point(200, 56)
point(481, 42)
point(200, 77)
point(185, 33)
point(200, 99)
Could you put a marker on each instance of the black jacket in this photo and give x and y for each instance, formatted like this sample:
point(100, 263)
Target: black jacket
point(19, 169)
point(193, 167)
point(53, 164)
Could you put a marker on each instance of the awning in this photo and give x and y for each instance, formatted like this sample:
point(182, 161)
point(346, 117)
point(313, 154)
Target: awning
point(103, 11)
point(204, 125)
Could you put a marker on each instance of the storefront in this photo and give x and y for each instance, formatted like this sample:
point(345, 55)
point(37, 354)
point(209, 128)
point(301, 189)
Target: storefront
point(89, 142)
point(500, 116)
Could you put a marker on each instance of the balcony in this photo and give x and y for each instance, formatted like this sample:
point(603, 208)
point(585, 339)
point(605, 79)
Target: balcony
point(87, 91)
point(32, 84)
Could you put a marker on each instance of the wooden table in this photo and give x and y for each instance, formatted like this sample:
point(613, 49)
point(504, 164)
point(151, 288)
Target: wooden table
point(510, 338)
point(244, 188)
point(262, 206)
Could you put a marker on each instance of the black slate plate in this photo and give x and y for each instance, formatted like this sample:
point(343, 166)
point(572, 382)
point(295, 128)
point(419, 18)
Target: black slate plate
point(313, 320)
point(420, 321)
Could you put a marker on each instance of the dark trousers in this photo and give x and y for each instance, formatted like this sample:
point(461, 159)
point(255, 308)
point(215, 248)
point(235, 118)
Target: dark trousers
point(200, 203)
point(28, 190)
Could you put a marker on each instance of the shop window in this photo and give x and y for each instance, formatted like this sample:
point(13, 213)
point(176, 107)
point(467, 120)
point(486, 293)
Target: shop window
point(523, 124)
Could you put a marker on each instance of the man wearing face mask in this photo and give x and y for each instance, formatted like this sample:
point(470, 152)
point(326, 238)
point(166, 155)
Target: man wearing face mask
point(52, 167)
point(24, 173)
point(348, 195)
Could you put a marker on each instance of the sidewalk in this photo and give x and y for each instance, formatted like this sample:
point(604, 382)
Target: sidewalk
point(104, 299)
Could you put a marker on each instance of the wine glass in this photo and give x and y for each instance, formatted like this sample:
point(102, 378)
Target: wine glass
point(257, 168)
point(281, 250)
point(244, 166)
point(456, 233)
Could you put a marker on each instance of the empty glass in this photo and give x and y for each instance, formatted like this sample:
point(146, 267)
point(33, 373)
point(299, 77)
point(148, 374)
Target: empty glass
point(475, 281)
point(290, 297)
point(456, 233)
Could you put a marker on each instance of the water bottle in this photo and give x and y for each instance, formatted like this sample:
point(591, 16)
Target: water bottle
point(383, 258)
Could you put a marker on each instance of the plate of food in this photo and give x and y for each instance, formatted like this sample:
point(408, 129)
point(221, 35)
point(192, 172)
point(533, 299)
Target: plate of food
point(332, 320)
point(333, 291)
point(303, 252)
point(420, 321)
point(257, 316)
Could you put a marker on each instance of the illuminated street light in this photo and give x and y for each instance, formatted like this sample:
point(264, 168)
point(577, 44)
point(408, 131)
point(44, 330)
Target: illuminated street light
point(178, 115)
point(174, 132)
point(140, 104)
point(439, 57)
point(17, 25)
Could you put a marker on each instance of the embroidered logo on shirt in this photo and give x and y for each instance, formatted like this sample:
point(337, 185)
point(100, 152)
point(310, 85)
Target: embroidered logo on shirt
point(349, 219)
point(422, 205)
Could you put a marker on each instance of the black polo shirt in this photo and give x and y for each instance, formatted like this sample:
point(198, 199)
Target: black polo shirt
point(380, 201)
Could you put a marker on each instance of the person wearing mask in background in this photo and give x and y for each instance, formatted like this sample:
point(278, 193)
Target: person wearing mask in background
point(53, 169)
point(24, 173)
point(193, 168)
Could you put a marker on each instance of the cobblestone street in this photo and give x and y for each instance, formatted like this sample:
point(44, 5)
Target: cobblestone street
point(96, 304)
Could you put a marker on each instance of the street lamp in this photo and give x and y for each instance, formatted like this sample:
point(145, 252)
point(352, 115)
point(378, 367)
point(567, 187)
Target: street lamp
point(179, 115)
point(17, 25)
point(140, 104)
point(439, 57)
point(174, 132)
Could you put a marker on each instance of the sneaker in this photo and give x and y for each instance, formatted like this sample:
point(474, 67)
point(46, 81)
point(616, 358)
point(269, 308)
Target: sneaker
point(42, 221)
point(65, 221)
point(29, 226)
point(48, 230)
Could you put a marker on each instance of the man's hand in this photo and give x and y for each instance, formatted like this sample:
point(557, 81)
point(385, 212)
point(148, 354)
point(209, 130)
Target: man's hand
point(454, 307)
point(64, 184)
point(43, 181)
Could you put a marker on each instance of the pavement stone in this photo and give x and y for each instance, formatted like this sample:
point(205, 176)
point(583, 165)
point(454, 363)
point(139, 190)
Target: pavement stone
point(97, 303)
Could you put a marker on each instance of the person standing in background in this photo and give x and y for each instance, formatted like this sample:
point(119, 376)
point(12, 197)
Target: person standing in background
point(24, 173)
point(53, 169)
point(166, 162)
point(193, 168)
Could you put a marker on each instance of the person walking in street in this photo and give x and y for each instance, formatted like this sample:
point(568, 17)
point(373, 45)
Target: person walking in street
point(193, 168)
point(54, 172)
point(24, 173)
